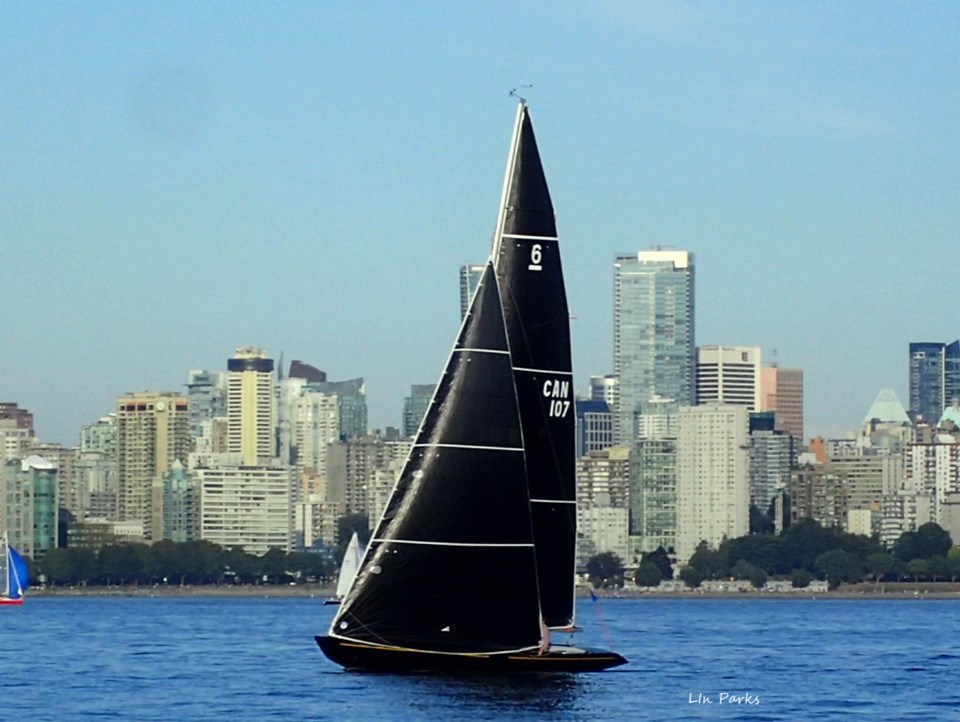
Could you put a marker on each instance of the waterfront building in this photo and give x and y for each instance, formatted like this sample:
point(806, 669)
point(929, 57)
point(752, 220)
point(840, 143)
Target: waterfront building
point(604, 388)
point(316, 520)
point(251, 406)
point(246, 506)
point(310, 374)
point(713, 494)
point(15, 437)
point(817, 493)
point(781, 391)
point(207, 396)
point(351, 405)
point(862, 521)
point(153, 431)
point(70, 496)
point(934, 378)
point(351, 469)
point(729, 375)
point(653, 332)
point(96, 485)
point(771, 460)
point(867, 478)
point(906, 510)
point(415, 407)
point(309, 421)
point(29, 512)
point(602, 529)
point(382, 481)
point(181, 505)
point(594, 428)
point(653, 477)
point(603, 500)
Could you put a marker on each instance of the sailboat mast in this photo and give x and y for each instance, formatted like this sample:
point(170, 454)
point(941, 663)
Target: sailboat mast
point(507, 182)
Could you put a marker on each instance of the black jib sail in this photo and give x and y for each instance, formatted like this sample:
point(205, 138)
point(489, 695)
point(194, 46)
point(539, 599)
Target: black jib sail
point(451, 566)
point(527, 260)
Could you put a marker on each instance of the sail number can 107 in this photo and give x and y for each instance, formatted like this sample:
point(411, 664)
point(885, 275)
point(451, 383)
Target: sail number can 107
point(557, 394)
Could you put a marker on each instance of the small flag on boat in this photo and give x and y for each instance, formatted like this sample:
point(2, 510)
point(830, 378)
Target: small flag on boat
point(593, 597)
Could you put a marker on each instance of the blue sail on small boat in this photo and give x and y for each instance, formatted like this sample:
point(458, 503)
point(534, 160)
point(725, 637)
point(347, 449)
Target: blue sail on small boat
point(13, 574)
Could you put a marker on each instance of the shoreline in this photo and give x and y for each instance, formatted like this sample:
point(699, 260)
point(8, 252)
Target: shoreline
point(894, 590)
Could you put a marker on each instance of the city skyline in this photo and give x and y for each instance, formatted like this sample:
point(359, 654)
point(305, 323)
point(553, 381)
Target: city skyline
point(308, 180)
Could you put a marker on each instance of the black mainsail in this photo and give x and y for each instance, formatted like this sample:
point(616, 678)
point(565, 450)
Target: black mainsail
point(475, 551)
point(458, 521)
point(527, 259)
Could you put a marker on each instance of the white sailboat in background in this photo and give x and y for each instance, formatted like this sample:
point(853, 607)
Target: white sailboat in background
point(348, 569)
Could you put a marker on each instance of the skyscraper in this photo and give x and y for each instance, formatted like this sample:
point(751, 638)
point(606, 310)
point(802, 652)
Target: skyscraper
point(251, 406)
point(469, 279)
point(415, 406)
point(653, 331)
point(729, 375)
point(153, 431)
point(713, 493)
point(781, 391)
point(934, 379)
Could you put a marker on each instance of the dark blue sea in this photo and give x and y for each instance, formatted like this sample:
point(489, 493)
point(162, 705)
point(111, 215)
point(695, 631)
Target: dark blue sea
point(238, 659)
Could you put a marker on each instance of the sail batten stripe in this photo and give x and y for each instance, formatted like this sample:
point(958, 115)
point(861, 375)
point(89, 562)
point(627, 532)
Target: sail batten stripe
point(542, 371)
point(467, 446)
point(482, 350)
point(521, 237)
point(381, 540)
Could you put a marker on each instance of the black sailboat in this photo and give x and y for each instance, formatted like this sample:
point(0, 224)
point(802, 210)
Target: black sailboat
point(473, 560)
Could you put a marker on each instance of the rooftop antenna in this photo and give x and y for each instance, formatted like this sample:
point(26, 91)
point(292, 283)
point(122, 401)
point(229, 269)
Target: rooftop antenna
point(774, 362)
point(514, 94)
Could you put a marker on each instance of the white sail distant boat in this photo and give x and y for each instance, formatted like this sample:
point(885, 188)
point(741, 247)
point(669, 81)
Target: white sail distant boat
point(348, 569)
point(472, 563)
point(13, 574)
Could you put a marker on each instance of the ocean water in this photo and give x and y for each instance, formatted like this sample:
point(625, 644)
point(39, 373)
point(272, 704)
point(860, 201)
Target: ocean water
point(240, 659)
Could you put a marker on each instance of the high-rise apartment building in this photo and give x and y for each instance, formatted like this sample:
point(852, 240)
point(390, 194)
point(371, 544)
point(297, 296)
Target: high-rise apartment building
point(653, 477)
point(604, 388)
point(97, 469)
point(29, 512)
point(934, 379)
point(16, 431)
point(70, 495)
point(781, 391)
point(594, 430)
point(251, 406)
point(653, 331)
point(153, 431)
point(351, 405)
point(729, 375)
point(469, 280)
point(713, 494)
point(207, 393)
point(603, 491)
point(246, 506)
point(415, 407)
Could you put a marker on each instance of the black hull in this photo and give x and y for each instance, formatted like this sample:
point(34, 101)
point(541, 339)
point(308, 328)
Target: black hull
point(355, 656)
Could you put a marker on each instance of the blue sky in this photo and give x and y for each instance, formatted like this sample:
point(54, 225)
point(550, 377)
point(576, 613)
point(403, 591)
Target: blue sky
point(180, 179)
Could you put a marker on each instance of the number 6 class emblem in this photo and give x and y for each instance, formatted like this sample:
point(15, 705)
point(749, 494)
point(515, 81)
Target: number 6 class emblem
point(536, 255)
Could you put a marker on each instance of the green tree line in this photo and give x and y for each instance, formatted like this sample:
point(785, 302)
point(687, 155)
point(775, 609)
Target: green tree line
point(808, 551)
point(177, 563)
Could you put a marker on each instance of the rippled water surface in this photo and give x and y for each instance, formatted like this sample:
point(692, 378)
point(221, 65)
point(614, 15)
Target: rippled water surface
point(239, 659)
